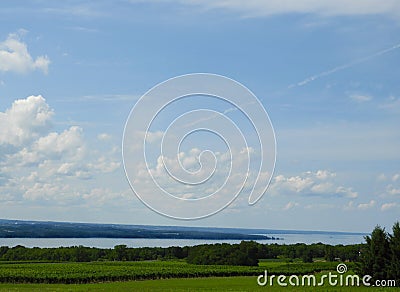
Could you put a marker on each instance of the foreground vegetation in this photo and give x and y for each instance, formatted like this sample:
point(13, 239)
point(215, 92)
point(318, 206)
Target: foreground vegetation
point(69, 273)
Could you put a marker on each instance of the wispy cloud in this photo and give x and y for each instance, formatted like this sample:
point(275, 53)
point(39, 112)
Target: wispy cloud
point(111, 97)
point(344, 66)
point(365, 206)
point(260, 8)
point(392, 105)
point(360, 97)
point(83, 29)
point(389, 206)
point(80, 10)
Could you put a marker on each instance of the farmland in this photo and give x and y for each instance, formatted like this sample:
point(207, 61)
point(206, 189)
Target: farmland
point(74, 273)
point(234, 283)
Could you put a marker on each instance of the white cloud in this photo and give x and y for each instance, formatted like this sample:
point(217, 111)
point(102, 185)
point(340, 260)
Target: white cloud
point(104, 164)
point(366, 206)
point(320, 183)
point(100, 196)
point(70, 142)
point(347, 192)
point(152, 137)
point(39, 164)
point(324, 174)
point(104, 137)
point(392, 190)
point(392, 187)
point(14, 57)
point(26, 120)
point(290, 205)
point(388, 206)
point(191, 180)
point(49, 191)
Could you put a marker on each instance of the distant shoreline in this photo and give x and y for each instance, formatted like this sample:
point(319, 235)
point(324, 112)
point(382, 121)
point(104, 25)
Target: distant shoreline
point(45, 229)
point(36, 230)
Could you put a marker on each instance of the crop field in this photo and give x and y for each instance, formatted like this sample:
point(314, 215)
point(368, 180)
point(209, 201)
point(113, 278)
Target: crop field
point(159, 276)
point(70, 273)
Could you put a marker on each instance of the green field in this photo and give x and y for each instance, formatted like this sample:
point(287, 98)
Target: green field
point(158, 276)
point(193, 284)
point(79, 273)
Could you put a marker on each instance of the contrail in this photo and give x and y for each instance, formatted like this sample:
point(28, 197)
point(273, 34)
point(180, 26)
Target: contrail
point(343, 67)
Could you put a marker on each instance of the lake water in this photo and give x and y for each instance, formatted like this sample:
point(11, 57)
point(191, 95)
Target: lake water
point(326, 238)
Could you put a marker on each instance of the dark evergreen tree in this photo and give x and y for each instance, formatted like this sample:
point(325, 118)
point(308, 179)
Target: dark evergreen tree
point(394, 268)
point(375, 257)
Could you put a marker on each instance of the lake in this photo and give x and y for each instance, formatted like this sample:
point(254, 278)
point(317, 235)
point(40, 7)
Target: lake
point(327, 238)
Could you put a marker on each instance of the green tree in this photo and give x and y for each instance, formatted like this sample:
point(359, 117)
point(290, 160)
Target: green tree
point(307, 256)
point(394, 239)
point(375, 257)
point(121, 252)
point(329, 253)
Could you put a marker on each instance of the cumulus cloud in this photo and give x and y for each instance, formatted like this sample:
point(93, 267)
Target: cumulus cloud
point(319, 183)
point(50, 191)
point(40, 163)
point(392, 186)
point(312, 184)
point(104, 164)
point(26, 120)
point(15, 57)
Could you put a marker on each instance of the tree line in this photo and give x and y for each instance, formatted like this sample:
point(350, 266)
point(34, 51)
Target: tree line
point(246, 253)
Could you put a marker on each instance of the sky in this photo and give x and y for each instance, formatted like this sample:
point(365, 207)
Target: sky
point(326, 72)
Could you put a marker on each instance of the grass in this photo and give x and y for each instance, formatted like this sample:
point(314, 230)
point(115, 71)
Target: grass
point(180, 285)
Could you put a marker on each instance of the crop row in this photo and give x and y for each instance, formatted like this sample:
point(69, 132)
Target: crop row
point(69, 273)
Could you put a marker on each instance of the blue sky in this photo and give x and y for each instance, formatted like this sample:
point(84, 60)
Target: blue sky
point(326, 72)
